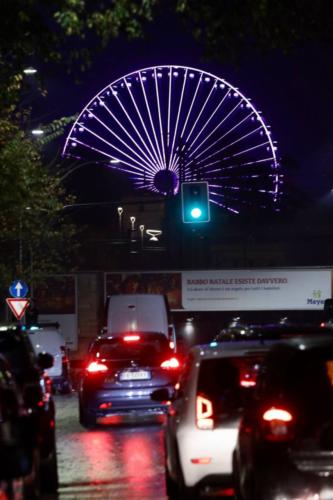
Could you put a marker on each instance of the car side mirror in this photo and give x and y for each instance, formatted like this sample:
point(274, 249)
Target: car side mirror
point(45, 360)
point(161, 395)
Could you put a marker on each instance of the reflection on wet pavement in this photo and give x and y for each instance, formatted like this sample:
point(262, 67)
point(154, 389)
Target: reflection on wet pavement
point(112, 462)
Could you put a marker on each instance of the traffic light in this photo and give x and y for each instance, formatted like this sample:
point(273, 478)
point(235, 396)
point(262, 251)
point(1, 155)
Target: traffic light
point(195, 202)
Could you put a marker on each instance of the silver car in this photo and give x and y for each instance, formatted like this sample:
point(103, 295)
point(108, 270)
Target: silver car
point(204, 415)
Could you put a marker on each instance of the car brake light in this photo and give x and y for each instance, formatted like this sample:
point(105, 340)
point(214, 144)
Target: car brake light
point(277, 422)
point(247, 383)
point(96, 367)
point(170, 364)
point(277, 414)
point(201, 460)
point(105, 406)
point(171, 344)
point(131, 338)
point(204, 411)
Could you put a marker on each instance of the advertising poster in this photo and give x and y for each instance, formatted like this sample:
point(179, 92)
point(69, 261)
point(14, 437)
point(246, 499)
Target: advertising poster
point(245, 290)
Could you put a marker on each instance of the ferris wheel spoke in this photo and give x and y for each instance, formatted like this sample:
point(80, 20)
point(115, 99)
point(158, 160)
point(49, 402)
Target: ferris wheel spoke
point(169, 107)
point(245, 136)
point(217, 127)
point(177, 120)
point(119, 138)
point(159, 116)
point(239, 165)
point(226, 134)
point(207, 122)
point(112, 146)
point(156, 159)
point(191, 106)
point(130, 137)
point(240, 153)
point(201, 111)
point(104, 153)
point(151, 121)
point(247, 150)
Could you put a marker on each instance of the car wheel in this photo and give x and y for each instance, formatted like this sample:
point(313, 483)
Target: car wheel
point(65, 387)
point(86, 420)
point(187, 493)
point(49, 474)
point(235, 473)
point(171, 486)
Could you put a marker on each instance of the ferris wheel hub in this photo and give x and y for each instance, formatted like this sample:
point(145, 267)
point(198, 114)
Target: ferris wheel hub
point(166, 181)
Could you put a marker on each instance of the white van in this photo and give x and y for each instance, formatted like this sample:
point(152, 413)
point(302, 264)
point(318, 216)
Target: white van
point(138, 312)
point(46, 337)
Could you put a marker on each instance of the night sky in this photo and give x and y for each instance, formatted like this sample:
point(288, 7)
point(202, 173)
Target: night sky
point(294, 93)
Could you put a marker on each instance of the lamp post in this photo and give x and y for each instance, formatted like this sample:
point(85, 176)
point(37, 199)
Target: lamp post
point(120, 214)
point(133, 219)
point(142, 230)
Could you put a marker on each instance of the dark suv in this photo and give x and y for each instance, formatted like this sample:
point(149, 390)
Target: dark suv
point(38, 406)
point(285, 443)
point(121, 373)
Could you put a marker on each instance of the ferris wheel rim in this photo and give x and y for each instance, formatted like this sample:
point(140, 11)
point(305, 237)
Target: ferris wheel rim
point(190, 68)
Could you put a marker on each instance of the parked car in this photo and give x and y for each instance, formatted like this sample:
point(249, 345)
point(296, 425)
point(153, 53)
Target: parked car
point(285, 443)
point(121, 373)
point(38, 405)
point(47, 337)
point(15, 456)
point(203, 419)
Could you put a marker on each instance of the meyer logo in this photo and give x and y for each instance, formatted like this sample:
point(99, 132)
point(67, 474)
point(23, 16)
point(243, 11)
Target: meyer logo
point(316, 299)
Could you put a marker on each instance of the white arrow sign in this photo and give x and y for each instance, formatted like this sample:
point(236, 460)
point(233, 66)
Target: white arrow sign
point(18, 289)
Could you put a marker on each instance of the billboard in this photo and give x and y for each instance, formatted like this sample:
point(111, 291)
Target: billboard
point(230, 290)
point(256, 290)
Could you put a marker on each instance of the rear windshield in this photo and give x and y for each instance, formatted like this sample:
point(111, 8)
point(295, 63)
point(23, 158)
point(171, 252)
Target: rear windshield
point(304, 377)
point(227, 382)
point(149, 351)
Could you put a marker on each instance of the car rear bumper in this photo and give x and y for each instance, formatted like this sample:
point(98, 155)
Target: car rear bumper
point(215, 446)
point(123, 405)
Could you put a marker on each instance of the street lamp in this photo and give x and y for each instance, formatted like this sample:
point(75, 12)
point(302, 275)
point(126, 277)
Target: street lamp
point(30, 71)
point(37, 132)
point(120, 213)
point(142, 230)
point(133, 219)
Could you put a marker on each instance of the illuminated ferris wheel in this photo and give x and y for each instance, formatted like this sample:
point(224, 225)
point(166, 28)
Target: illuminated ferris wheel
point(168, 124)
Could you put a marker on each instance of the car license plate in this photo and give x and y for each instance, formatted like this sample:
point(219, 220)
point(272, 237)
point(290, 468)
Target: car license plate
point(135, 375)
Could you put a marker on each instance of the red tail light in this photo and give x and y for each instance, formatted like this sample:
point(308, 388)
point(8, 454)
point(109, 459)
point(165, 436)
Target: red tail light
point(278, 424)
point(170, 364)
point(204, 413)
point(247, 382)
point(131, 338)
point(96, 367)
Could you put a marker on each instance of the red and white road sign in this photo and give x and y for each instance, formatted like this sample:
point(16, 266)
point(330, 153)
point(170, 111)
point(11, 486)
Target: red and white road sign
point(18, 306)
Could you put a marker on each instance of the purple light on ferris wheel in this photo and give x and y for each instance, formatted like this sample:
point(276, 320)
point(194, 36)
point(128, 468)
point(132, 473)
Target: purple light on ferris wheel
point(164, 125)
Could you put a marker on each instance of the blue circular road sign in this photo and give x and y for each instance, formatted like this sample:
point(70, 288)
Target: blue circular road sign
point(18, 289)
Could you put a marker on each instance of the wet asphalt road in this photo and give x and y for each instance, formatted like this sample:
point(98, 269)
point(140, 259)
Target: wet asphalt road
point(122, 462)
